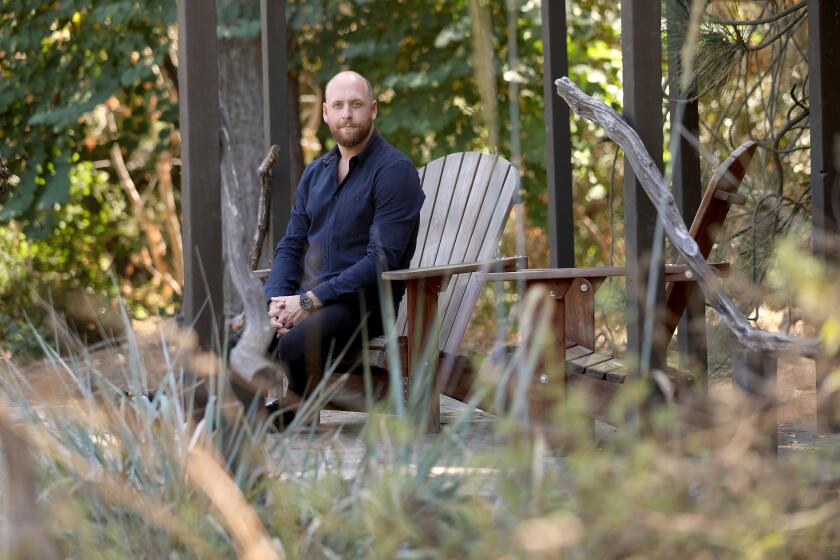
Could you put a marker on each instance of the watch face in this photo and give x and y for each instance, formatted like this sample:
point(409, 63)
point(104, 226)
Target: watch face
point(306, 302)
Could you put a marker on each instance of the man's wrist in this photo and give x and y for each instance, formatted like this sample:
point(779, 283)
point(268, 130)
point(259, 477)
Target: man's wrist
point(315, 301)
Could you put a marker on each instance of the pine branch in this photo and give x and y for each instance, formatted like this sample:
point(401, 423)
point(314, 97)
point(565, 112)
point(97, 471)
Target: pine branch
point(762, 21)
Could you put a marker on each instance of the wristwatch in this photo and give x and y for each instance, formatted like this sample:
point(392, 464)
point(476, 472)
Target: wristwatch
point(306, 303)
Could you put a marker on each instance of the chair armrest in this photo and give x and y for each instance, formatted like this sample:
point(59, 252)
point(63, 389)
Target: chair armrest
point(505, 263)
point(554, 273)
point(672, 272)
point(446, 270)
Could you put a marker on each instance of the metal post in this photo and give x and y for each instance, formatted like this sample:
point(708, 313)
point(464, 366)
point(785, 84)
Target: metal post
point(561, 233)
point(688, 191)
point(824, 50)
point(276, 112)
point(200, 177)
point(641, 48)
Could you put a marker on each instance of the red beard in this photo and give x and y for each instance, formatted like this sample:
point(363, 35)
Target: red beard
point(350, 137)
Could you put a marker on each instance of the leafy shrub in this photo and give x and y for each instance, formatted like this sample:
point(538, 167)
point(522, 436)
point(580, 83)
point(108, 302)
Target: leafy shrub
point(71, 267)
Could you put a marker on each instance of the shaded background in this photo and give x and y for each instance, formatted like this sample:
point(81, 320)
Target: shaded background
point(89, 130)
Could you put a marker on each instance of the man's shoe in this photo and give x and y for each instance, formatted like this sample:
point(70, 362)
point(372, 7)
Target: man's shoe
point(279, 420)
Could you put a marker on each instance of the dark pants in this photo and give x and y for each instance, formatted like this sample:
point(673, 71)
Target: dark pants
point(310, 347)
point(306, 350)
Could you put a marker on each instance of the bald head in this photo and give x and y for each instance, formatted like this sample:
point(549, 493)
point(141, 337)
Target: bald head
point(349, 111)
point(345, 79)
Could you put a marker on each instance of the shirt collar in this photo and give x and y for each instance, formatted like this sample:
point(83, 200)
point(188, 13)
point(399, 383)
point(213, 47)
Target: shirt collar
point(334, 155)
point(372, 142)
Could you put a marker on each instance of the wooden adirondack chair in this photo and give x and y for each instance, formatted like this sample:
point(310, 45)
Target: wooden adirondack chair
point(468, 199)
point(469, 196)
point(573, 290)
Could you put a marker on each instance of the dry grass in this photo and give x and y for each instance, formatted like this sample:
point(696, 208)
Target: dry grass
point(121, 475)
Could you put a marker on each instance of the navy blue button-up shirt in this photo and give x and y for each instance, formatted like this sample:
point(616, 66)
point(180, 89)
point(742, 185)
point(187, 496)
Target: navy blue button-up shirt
point(340, 237)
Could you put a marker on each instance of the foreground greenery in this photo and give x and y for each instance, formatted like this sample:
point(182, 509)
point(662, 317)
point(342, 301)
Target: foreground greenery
point(122, 475)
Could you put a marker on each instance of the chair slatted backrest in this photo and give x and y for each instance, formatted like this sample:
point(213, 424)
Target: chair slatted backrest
point(469, 196)
point(719, 196)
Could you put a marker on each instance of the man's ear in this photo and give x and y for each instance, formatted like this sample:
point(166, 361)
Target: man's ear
point(324, 111)
point(374, 109)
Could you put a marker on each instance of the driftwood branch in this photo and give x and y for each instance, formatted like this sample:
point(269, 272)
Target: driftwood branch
point(248, 358)
point(657, 190)
point(264, 171)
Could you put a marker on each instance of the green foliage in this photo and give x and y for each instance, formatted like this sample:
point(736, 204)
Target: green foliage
point(76, 78)
point(418, 56)
point(64, 272)
point(60, 61)
point(811, 285)
point(79, 77)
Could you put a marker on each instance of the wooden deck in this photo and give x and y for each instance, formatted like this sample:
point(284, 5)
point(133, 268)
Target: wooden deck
point(338, 441)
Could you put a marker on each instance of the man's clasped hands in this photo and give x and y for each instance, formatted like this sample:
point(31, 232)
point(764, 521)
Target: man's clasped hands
point(285, 312)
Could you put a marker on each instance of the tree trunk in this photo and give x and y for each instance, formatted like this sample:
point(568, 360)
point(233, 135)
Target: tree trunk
point(240, 82)
point(295, 127)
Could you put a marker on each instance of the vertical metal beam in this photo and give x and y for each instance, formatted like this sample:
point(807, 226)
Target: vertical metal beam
point(561, 233)
point(275, 95)
point(200, 178)
point(688, 191)
point(824, 51)
point(641, 48)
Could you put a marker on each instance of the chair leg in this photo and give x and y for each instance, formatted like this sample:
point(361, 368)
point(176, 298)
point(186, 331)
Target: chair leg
point(548, 385)
point(422, 300)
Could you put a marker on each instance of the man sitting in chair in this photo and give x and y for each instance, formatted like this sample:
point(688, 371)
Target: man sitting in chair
point(356, 214)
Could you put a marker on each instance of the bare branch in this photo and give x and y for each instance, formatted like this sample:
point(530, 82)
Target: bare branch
point(170, 218)
point(154, 237)
point(264, 171)
point(657, 190)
